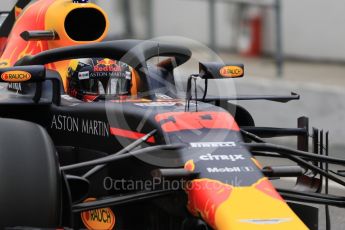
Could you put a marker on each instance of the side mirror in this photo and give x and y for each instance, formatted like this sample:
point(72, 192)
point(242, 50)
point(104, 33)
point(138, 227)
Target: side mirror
point(32, 74)
point(21, 74)
point(215, 70)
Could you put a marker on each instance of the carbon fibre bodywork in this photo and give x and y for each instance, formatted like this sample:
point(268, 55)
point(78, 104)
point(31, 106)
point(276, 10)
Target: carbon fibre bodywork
point(229, 192)
point(154, 160)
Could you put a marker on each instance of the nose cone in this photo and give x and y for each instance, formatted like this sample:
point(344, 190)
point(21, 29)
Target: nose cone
point(205, 196)
point(225, 207)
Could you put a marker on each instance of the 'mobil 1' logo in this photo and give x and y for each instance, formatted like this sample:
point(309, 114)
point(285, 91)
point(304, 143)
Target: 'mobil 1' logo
point(16, 76)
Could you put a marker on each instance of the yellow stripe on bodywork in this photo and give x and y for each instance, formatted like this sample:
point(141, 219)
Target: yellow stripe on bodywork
point(250, 208)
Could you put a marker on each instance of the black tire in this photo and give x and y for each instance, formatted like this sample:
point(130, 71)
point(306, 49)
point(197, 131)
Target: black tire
point(30, 179)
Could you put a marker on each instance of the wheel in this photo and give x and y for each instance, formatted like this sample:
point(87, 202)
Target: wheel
point(30, 179)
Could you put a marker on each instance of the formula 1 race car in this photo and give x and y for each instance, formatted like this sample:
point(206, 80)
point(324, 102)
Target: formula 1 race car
point(148, 159)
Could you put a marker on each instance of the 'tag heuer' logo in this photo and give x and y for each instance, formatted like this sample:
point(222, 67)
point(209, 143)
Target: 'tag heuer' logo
point(231, 71)
point(16, 76)
point(98, 219)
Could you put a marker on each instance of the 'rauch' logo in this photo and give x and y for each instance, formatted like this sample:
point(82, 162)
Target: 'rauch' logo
point(15, 76)
point(231, 71)
point(102, 218)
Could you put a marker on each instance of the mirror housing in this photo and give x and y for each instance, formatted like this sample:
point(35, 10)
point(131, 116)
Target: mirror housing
point(21, 74)
point(216, 70)
point(32, 74)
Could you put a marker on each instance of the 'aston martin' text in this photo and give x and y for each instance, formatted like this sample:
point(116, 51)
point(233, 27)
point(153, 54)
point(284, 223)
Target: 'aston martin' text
point(80, 125)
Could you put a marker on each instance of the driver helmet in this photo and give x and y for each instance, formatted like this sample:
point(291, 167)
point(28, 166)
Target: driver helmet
point(92, 79)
